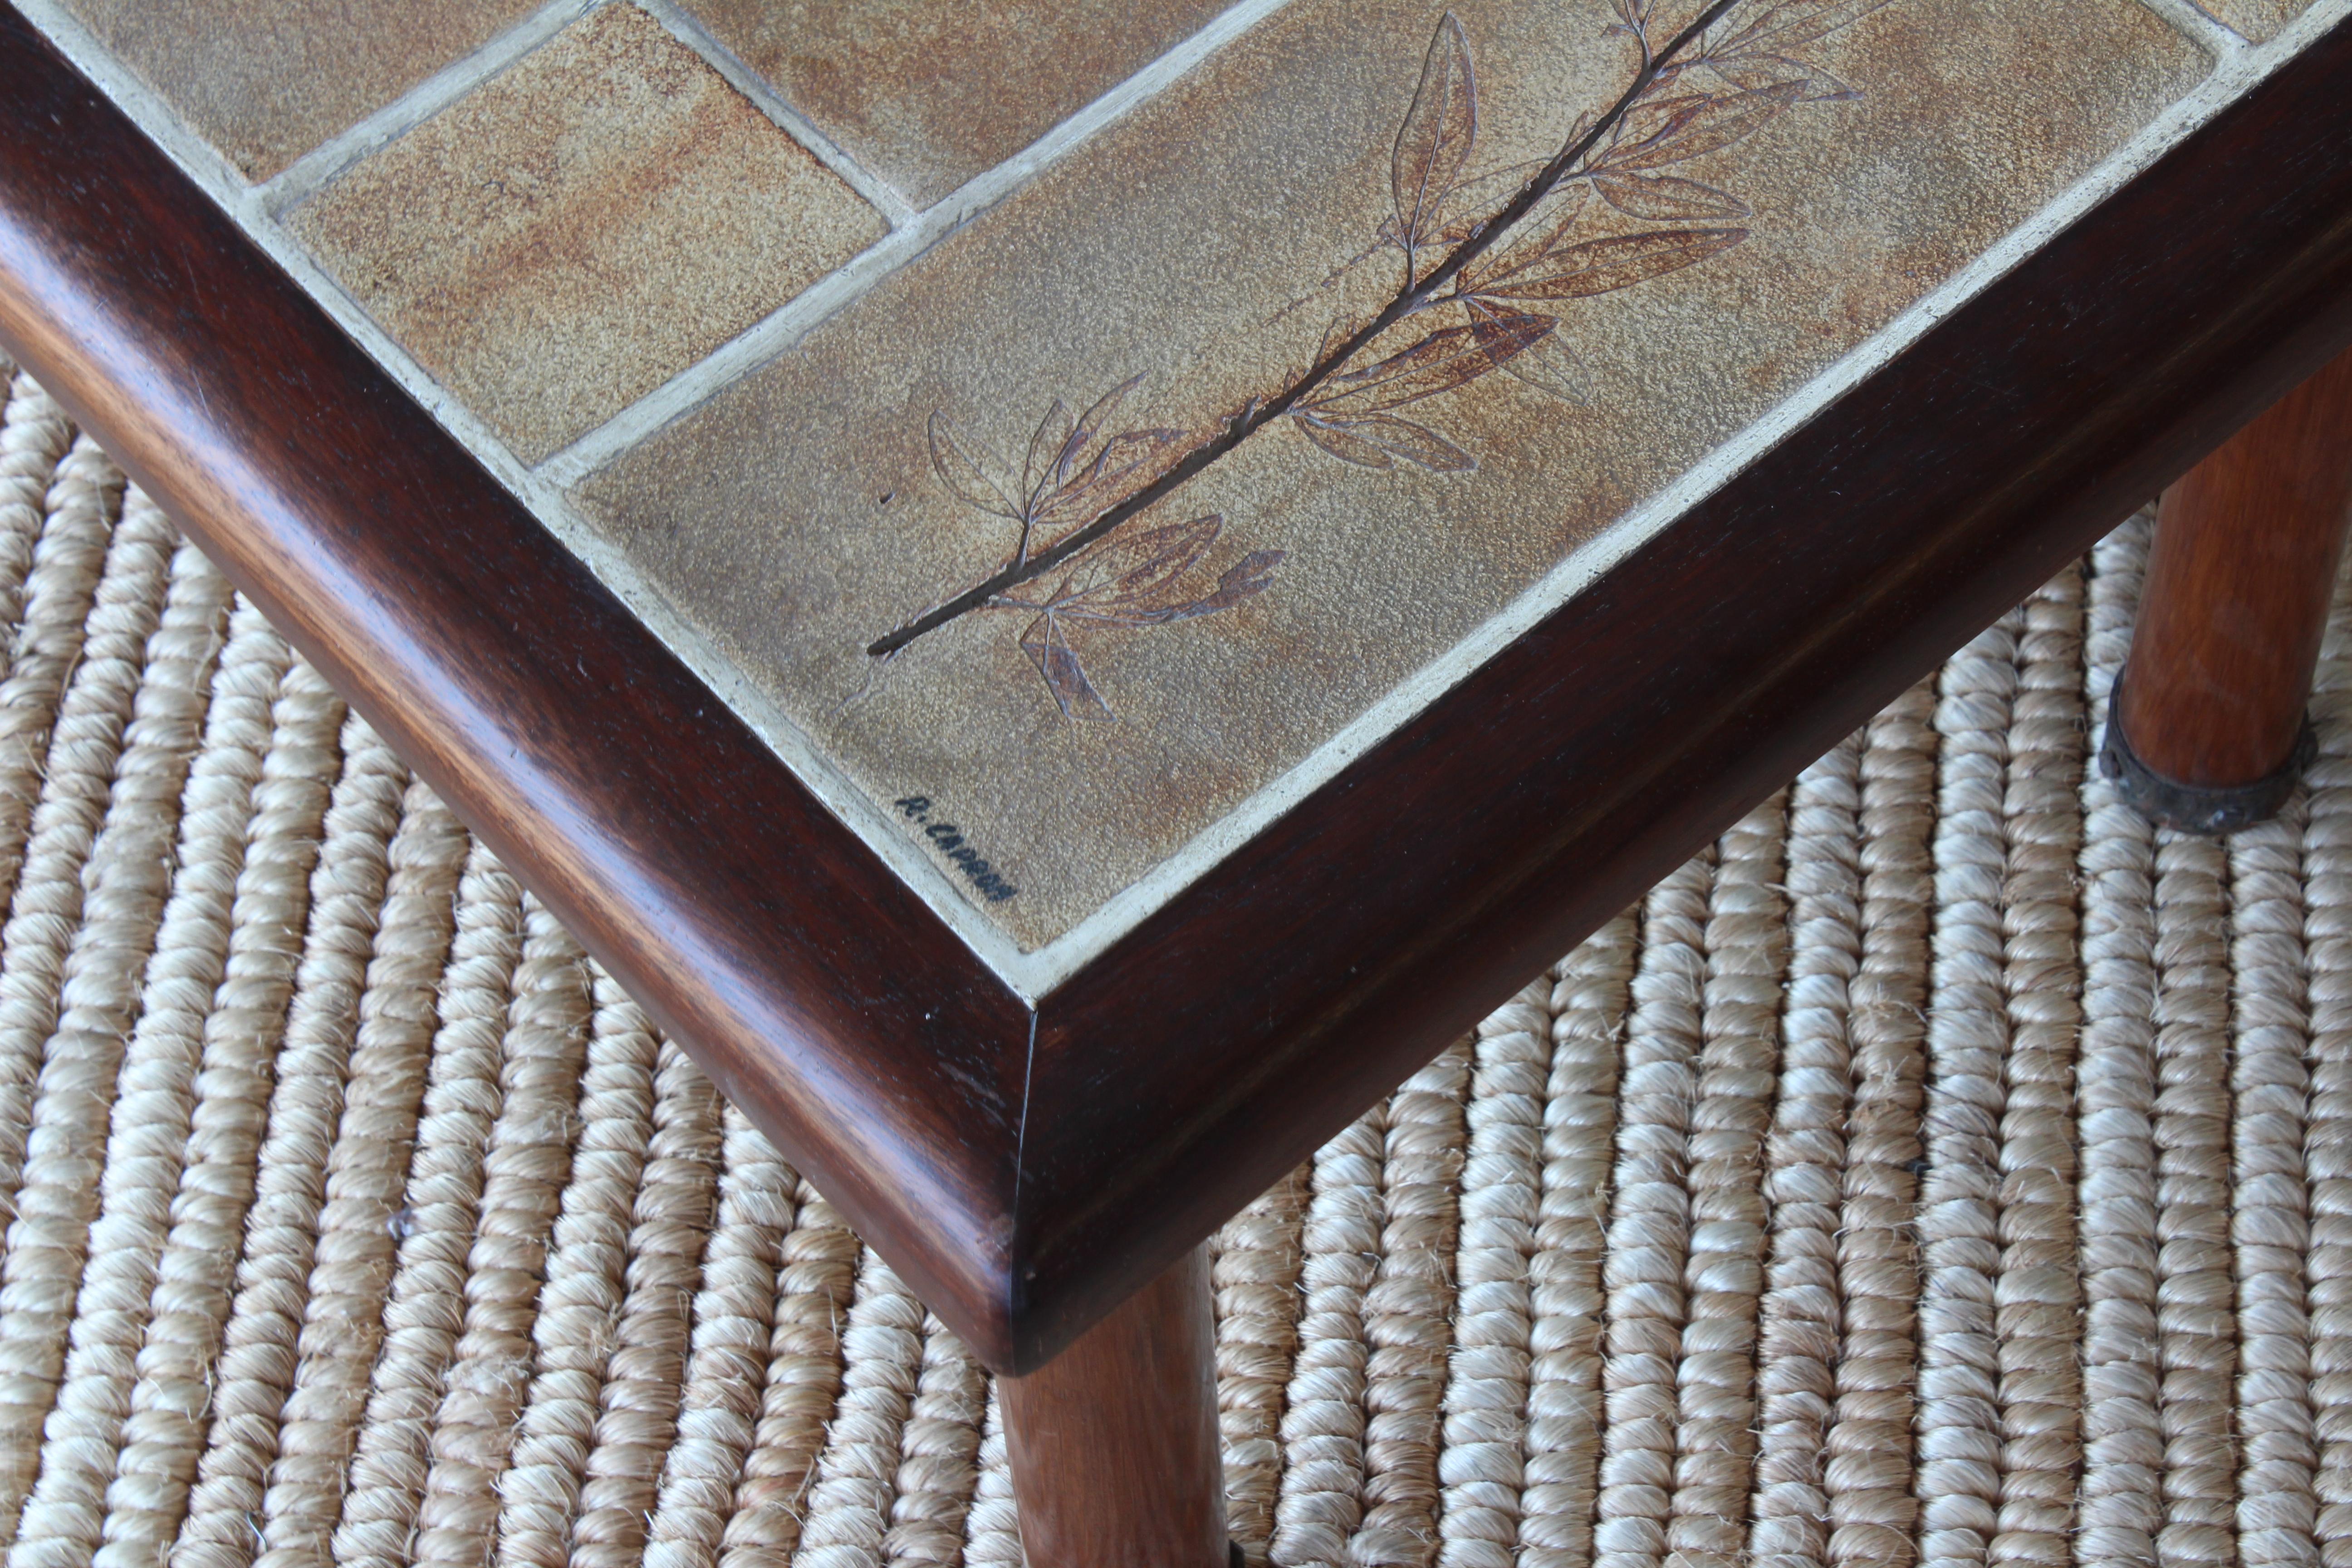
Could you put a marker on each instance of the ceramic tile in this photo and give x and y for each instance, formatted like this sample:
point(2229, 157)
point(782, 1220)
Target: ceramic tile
point(2256, 19)
point(268, 80)
point(927, 95)
point(1206, 245)
point(582, 228)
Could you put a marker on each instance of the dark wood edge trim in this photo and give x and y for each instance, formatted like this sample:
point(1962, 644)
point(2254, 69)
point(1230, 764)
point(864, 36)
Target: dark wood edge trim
point(815, 988)
point(1302, 977)
point(1340, 949)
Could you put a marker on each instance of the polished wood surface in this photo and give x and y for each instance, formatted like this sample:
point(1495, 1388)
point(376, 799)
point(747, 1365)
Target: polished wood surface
point(1388, 911)
point(816, 989)
point(1027, 1183)
point(1114, 1455)
point(2237, 593)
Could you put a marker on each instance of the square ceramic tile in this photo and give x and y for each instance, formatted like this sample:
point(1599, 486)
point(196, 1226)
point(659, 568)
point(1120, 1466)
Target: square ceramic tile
point(2256, 19)
point(563, 240)
point(925, 94)
point(268, 80)
point(1750, 222)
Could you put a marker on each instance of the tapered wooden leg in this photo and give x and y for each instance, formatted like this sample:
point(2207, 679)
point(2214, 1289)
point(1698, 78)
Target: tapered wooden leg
point(1115, 1460)
point(2207, 731)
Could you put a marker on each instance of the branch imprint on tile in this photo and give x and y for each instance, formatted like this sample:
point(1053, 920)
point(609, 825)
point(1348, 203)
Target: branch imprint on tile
point(1509, 264)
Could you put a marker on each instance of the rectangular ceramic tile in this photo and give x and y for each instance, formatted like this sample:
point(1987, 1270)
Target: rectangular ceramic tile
point(927, 95)
point(268, 80)
point(579, 229)
point(2256, 19)
point(1748, 224)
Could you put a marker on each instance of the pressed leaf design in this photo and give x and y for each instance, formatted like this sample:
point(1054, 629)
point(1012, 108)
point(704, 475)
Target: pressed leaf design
point(1709, 126)
point(1070, 473)
point(1337, 438)
point(1796, 22)
point(957, 459)
point(1474, 199)
point(1445, 359)
point(1049, 450)
point(1666, 198)
point(1129, 580)
point(1541, 264)
point(1377, 440)
point(1253, 574)
point(1604, 266)
point(1532, 248)
point(1124, 576)
point(1085, 487)
point(1078, 485)
point(1047, 644)
point(1097, 420)
point(1754, 73)
point(1547, 364)
point(1756, 55)
point(1647, 120)
point(1120, 464)
point(1440, 129)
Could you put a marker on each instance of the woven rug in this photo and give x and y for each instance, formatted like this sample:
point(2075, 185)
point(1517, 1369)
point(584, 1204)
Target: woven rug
point(1941, 1167)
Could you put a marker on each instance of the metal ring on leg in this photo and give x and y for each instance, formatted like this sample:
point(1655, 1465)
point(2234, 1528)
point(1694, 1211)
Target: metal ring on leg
point(2198, 808)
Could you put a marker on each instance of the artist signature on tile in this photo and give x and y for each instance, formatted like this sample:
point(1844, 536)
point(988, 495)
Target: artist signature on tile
point(949, 841)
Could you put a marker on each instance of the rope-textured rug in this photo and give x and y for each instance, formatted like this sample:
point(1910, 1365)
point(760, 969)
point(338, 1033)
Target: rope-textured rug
point(1943, 1167)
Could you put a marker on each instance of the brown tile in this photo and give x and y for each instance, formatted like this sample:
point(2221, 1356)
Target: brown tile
point(928, 94)
point(2256, 19)
point(1203, 243)
point(268, 80)
point(582, 228)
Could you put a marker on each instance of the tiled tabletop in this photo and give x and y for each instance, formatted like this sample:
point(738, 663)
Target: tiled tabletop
point(796, 319)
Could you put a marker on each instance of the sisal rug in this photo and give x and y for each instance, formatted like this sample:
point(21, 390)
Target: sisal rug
point(1942, 1167)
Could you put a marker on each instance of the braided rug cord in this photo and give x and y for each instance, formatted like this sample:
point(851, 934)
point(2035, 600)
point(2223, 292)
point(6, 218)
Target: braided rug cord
point(1942, 1168)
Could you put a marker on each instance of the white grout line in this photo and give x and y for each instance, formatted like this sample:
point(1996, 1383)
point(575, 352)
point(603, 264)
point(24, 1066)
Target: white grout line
point(735, 358)
point(418, 104)
point(765, 718)
point(2238, 73)
point(129, 90)
point(779, 331)
point(2218, 39)
point(454, 81)
point(1034, 974)
point(689, 30)
point(221, 182)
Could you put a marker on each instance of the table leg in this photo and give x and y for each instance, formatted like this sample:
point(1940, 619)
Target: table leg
point(2207, 731)
point(1115, 1457)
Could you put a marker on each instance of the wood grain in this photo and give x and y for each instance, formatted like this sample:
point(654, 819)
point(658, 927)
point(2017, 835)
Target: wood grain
point(1205, 1053)
point(1391, 909)
point(1115, 1456)
point(814, 986)
point(2238, 581)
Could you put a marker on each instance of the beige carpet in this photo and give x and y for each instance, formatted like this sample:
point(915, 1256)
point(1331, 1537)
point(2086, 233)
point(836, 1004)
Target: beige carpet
point(1886, 1188)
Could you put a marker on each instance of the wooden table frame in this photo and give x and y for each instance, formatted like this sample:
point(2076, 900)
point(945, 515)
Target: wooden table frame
point(1027, 1171)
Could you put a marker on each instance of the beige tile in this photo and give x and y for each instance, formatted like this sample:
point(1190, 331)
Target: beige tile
point(2257, 19)
point(268, 80)
point(928, 94)
point(582, 228)
point(1204, 245)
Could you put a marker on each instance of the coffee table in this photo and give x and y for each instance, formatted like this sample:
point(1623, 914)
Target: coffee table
point(1064, 592)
